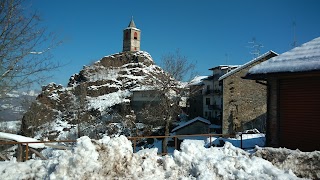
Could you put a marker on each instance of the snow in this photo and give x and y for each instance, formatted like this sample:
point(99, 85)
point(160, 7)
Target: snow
point(197, 80)
point(19, 138)
point(248, 140)
point(108, 100)
point(246, 64)
point(300, 59)
point(113, 158)
point(10, 126)
point(145, 54)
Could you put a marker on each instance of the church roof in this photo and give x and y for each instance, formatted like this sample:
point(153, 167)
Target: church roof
point(131, 24)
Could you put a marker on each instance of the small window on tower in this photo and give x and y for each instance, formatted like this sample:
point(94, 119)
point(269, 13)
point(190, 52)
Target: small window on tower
point(127, 35)
point(135, 35)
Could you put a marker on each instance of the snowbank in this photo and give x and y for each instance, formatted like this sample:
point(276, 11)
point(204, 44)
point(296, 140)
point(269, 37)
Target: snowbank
point(303, 164)
point(113, 158)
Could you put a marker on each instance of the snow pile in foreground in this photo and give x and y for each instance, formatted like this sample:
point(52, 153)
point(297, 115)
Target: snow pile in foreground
point(113, 158)
point(303, 164)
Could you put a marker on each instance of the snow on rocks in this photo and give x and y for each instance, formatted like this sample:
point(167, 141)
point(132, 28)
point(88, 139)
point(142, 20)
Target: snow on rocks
point(113, 158)
point(108, 100)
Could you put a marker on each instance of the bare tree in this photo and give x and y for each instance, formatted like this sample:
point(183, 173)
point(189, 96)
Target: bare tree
point(178, 66)
point(166, 83)
point(24, 48)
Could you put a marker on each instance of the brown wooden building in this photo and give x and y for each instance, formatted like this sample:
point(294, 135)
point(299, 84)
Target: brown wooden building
point(293, 97)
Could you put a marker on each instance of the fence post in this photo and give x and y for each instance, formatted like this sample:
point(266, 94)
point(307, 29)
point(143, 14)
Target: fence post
point(20, 151)
point(210, 140)
point(134, 144)
point(27, 151)
point(241, 141)
point(175, 143)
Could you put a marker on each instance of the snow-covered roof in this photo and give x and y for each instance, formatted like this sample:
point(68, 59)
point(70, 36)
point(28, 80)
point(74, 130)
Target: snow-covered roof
point(224, 67)
point(247, 64)
point(190, 122)
point(300, 59)
point(197, 81)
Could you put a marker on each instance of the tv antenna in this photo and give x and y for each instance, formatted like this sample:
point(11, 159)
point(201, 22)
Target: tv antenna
point(295, 42)
point(227, 58)
point(255, 46)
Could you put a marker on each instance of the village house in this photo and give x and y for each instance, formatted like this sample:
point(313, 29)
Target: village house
point(206, 96)
point(195, 99)
point(293, 101)
point(212, 94)
point(244, 103)
point(196, 125)
point(141, 98)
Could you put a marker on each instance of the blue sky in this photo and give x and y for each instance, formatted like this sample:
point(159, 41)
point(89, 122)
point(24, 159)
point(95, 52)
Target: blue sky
point(209, 32)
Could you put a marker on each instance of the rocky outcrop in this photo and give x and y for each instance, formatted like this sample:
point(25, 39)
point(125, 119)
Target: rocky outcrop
point(96, 97)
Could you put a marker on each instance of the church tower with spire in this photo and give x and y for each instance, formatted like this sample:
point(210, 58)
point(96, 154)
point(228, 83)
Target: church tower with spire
point(131, 37)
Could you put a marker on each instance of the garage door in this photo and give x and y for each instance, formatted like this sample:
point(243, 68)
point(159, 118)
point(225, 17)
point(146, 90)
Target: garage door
point(299, 113)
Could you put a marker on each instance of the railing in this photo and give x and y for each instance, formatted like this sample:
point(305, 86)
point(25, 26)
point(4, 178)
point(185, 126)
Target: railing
point(175, 137)
point(214, 107)
point(209, 92)
point(134, 139)
point(213, 91)
point(26, 144)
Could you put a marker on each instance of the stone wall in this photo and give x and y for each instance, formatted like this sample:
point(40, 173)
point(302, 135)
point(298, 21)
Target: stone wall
point(244, 103)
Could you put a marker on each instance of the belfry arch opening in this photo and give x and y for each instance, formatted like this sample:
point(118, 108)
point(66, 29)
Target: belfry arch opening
point(135, 36)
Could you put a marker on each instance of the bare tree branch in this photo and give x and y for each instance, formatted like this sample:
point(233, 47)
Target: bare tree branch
point(167, 85)
point(25, 46)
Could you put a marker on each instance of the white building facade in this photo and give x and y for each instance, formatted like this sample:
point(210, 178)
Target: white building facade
point(212, 94)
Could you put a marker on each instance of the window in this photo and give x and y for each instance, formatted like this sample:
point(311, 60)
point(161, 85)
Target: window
point(135, 35)
point(205, 114)
point(127, 35)
point(207, 101)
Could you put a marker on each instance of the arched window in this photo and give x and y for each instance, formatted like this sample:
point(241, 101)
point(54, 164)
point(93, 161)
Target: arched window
point(135, 35)
point(127, 35)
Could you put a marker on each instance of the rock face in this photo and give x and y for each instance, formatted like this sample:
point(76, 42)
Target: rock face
point(96, 100)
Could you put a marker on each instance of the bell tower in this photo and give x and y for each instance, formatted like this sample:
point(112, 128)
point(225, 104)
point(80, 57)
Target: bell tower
point(131, 37)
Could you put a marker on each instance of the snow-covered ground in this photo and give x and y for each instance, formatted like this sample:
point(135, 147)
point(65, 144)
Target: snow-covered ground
point(10, 126)
point(113, 158)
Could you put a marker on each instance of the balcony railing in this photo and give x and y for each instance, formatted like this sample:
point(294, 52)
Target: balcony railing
point(215, 91)
point(214, 107)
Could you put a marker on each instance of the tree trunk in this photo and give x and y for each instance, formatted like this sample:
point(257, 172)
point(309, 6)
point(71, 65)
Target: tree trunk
point(165, 140)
